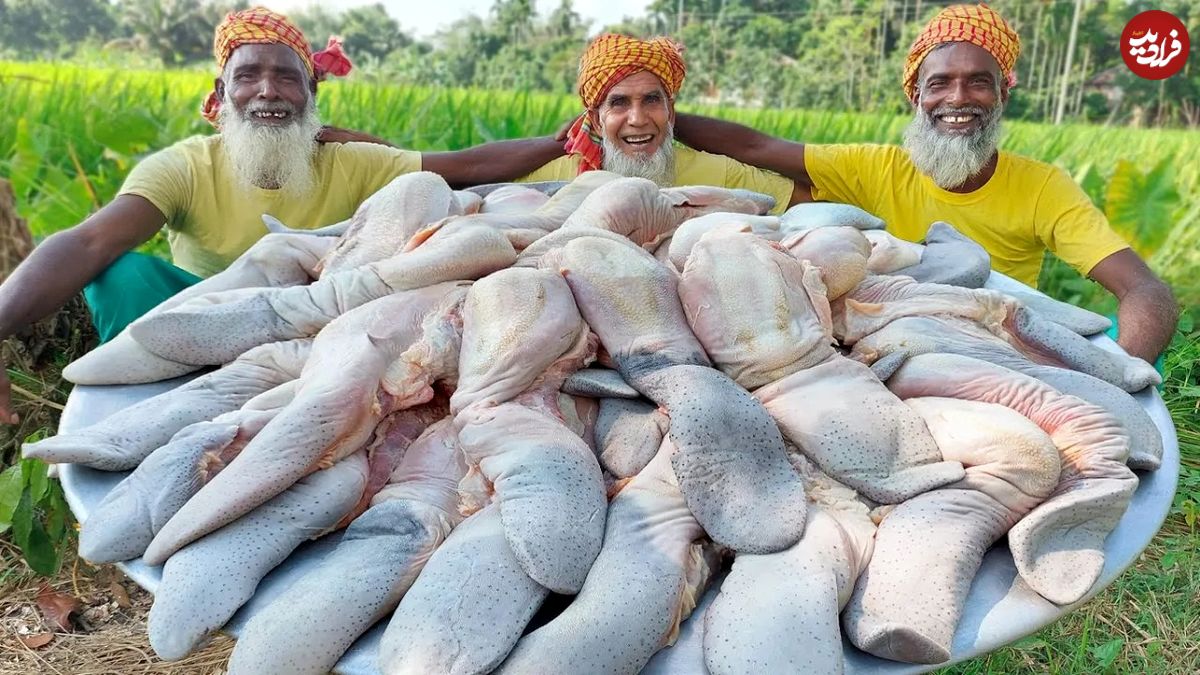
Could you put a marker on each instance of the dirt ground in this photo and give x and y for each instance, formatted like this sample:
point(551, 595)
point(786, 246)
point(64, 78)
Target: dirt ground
point(106, 634)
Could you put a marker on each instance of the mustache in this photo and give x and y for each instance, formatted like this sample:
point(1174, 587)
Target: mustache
point(958, 110)
point(270, 107)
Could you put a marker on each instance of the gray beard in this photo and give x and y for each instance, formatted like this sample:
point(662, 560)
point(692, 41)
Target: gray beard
point(659, 167)
point(952, 159)
point(275, 158)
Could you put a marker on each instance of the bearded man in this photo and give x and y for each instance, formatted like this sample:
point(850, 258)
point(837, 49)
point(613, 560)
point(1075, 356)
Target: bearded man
point(958, 76)
point(628, 88)
point(210, 191)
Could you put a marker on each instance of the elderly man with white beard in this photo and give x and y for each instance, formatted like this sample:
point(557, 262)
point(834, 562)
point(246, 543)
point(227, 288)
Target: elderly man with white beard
point(958, 76)
point(628, 88)
point(210, 191)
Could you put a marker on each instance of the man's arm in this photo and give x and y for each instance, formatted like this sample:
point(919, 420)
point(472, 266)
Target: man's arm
point(747, 146)
point(65, 262)
point(1147, 312)
point(495, 162)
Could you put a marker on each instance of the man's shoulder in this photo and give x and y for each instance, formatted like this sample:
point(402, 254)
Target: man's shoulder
point(191, 147)
point(692, 162)
point(1024, 164)
point(368, 165)
point(1034, 177)
point(691, 159)
point(362, 149)
point(863, 155)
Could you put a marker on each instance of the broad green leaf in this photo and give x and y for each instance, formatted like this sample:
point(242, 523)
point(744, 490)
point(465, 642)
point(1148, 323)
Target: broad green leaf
point(22, 520)
point(58, 514)
point(1140, 204)
point(34, 475)
point(61, 201)
point(11, 488)
point(129, 133)
point(24, 164)
point(1108, 652)
point(1186, 323)
point(1092, 182)
point(40, 552)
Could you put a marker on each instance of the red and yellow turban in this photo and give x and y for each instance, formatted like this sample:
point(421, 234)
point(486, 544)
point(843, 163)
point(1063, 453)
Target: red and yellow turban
point(609, 59)
point(978, 24)
point(261, 26)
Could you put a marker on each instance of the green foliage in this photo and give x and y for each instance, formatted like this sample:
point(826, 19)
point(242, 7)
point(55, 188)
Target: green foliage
point(1139, 204)
point(830, 54)
point(67, 151)
point(33, 506)
point(51, 28)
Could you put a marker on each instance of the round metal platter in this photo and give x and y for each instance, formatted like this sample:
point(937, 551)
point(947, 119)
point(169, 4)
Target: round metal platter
point(1000, 608)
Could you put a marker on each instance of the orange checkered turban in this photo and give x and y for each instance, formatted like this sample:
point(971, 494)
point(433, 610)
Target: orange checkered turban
point(259, 26)
point(978, 24)
point(609, 59)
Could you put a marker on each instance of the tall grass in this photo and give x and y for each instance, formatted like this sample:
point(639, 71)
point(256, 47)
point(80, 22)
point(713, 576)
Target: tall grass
point(70, 133)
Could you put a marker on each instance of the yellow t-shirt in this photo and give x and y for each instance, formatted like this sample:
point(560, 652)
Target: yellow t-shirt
point(211, 221)
point(692, 167)
point(1026, 207)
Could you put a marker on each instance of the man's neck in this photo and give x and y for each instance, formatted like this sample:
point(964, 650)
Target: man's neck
point(979, 179)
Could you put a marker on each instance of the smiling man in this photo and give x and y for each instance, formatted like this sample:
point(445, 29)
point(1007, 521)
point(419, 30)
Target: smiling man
point(210, 191)
point(958, 76)
point(628, 88)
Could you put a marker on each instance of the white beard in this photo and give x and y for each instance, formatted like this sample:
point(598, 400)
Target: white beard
point(952, 159)
point(658, 167)
point(268, 156)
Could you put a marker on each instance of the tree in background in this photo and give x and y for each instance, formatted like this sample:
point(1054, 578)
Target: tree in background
point(52, 28)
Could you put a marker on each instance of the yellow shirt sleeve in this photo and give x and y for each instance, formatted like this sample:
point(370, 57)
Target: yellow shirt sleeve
point(1071, 226)
point(563, 168)
point(746, 177)
point(846, 173)
point(370, 166)
point(165, 180)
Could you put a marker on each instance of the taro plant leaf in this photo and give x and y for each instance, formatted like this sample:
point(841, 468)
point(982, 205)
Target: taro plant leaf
point(129, 133)
point(1140, 205)
point(25, 162)
point(11, 488)
point(43, 556)
point(1092, 183)
point(61, 201)
point(58, 513)
point(34, 472)
point(22, 520)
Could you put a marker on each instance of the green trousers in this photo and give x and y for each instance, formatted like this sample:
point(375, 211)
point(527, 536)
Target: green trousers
point(133, 285)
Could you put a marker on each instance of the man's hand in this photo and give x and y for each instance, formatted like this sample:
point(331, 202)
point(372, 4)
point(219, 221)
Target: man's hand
point(1147, 312)
point(329, 134)
point(561, 134)
point(7, 416)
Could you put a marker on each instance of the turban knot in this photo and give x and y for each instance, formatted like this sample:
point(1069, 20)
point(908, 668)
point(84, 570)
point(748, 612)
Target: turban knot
point(978, 24)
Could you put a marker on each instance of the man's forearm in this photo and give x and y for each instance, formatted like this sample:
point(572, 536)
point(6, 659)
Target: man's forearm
point(1146, 319)
point(54, 272)
point(496, 162)
point(744, 144)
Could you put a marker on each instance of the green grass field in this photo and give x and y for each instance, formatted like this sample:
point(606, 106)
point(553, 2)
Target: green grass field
point(69, 135)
